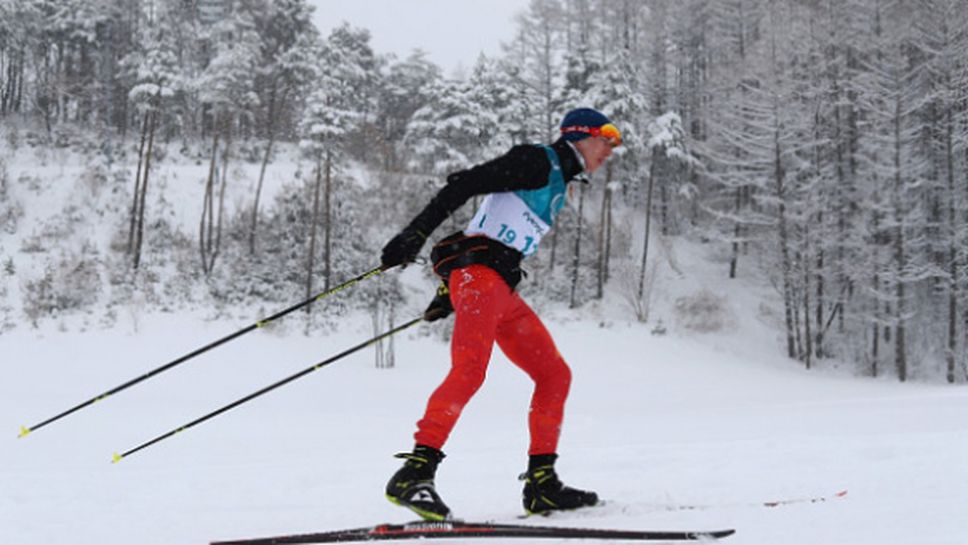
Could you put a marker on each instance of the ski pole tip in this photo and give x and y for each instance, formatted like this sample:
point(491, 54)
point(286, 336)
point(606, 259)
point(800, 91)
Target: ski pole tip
point(115, 458)
point(24, 432)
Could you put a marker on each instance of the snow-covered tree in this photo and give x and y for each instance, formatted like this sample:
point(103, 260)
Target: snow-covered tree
point(405, 89)
point(332, 114)
point(157, 79)
point(227, 88)
point(942, 40)
point(445, 135)
point(667, 142)
point(537, 48)
point(288, 64)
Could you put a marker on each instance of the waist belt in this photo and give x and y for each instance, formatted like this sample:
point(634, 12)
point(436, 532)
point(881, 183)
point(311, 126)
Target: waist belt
point(459, 250)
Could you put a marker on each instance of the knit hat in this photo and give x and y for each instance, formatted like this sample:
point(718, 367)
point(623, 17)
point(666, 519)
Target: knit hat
point(577, 124)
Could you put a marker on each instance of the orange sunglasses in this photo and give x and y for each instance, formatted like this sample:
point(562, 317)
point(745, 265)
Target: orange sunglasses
point(608, 131)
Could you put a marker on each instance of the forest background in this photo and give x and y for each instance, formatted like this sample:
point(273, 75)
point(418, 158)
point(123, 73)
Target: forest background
point(817, 146)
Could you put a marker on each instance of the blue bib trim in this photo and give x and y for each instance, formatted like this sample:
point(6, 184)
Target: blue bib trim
point(547, 201)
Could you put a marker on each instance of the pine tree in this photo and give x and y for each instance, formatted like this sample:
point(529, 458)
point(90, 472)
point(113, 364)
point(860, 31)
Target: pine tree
point(443, 135)
point(405, 89)
point(616, 90)
point(941, 38)
point(538, 44)
point(668, 145)
point(897, 168)
point(290, 45)
point(329, 118)
point(227, 88)
point(156, 73)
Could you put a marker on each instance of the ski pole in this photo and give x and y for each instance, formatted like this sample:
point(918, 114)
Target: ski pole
point(118, 457)
point(24, 430)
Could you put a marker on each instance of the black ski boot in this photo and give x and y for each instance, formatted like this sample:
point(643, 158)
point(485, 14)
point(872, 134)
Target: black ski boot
point(412, 486)
point(544, 493)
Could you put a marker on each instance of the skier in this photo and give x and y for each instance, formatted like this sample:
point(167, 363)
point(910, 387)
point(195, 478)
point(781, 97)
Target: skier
point(480, 266)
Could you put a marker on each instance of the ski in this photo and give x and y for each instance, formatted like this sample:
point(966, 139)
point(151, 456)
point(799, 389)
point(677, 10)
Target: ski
point(460, 529)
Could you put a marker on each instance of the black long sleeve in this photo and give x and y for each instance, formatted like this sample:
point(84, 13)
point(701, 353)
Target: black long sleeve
point(522, 167)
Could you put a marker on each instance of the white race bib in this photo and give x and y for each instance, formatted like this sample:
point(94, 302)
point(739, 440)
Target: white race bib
point(505, 218)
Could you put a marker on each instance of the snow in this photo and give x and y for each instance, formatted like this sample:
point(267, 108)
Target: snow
point(666, 131)
point(718, 420)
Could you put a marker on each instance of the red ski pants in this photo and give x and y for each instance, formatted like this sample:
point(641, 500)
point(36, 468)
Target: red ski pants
point(487, 310)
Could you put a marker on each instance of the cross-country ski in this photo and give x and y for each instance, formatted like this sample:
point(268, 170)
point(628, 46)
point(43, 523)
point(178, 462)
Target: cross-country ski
point(484, 530)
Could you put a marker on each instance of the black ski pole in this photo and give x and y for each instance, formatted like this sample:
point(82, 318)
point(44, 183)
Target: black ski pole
point(24, 430)
point(118, 457)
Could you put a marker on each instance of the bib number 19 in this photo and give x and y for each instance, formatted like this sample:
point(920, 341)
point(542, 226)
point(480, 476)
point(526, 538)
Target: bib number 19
point(508, 236)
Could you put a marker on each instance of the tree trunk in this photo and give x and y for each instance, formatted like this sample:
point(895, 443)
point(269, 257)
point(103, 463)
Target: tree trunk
point(807, 333)
point(10, 101)
point(313, 228)
point(608, 237)
point(328, 219)
point(271, 134)
point(603, 231)
point(133, 224)
point(376, 317)
point(953, 259)
point(797, 334)
point(821, 293)
point(221, 194)
point(254, 220)
point(139, 235)
point(900, 258)
point(576, 263)
point(841, 206)
point(787, 268)
point(876, 327)
point(648, 222)
point(554, 250)
point(737, 232)
point(900, 341)
point(664, 203)
point(390, 359)
point(205, 230)
point(600, 262)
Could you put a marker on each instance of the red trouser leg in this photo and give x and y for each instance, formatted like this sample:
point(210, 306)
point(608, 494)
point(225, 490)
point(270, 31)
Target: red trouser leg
point(525, 341)
point(485, 310)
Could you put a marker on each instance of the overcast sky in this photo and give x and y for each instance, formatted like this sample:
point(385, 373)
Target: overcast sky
point(452, 32)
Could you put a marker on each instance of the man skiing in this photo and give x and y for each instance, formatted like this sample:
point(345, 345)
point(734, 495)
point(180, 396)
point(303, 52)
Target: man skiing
point(480, 266)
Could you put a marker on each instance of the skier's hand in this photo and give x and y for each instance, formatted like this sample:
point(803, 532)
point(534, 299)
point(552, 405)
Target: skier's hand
point(440, 307)
point(403, 248)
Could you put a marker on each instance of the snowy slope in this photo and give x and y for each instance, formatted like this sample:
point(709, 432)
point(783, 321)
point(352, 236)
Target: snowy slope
point(653, 422)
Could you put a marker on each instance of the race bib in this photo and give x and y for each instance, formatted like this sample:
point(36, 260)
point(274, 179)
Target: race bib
point(505, 218)
point(520, 219)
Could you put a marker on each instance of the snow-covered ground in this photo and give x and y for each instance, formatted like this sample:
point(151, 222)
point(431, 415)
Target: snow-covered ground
point(718, 420)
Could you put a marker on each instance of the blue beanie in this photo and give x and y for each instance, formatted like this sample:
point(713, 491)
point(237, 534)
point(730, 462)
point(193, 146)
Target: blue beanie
point(575, 125)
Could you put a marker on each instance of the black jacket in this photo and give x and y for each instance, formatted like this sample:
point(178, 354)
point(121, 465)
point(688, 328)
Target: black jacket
point(522, 167)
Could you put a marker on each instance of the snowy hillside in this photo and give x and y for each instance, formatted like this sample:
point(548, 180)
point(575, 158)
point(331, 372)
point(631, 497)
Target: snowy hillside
point(711, 420)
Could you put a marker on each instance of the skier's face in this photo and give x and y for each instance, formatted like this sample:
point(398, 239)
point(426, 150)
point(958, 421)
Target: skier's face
point(595, 150)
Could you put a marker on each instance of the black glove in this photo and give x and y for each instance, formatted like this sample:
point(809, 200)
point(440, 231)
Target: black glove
point(403, 248)
point(440, 307)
